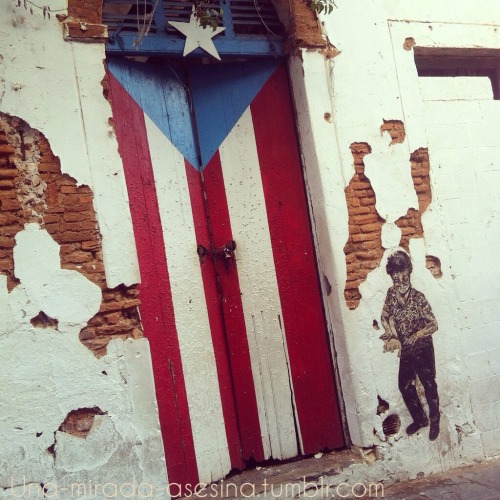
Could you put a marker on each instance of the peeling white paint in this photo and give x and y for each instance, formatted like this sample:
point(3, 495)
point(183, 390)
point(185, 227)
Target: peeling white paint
point(391, 235)
point(388, 168)
point(55, 87)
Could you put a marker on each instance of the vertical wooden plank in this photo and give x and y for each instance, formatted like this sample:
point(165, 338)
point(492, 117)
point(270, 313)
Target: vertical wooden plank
point(259, 289)
point(293, 251)
point(234, 322)
point(215, 313)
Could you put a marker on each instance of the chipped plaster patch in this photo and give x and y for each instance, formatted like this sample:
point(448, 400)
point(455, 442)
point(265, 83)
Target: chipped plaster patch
point(390, 175)
point(409, 43)
point(64, 295)
point(391, 235)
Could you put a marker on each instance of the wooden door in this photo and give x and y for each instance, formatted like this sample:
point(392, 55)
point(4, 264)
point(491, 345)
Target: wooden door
point(240, 349)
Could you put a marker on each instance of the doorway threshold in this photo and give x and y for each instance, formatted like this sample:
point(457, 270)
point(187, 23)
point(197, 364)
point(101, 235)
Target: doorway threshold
point(286, 479)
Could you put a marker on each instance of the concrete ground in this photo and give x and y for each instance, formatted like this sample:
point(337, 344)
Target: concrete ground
point(477, 482)
point(322, 477)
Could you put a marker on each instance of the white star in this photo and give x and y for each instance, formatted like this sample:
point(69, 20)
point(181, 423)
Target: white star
point(197, 36)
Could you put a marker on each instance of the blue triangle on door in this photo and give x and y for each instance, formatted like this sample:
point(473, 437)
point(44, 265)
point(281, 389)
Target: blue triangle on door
point(162, 94)
point(221, 93)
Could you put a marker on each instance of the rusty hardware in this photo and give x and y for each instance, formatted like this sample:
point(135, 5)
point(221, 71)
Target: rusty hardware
point(227, 252)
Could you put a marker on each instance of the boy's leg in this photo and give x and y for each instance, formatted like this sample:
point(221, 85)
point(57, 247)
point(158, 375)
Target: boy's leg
point(426, 371)
point(406, 382)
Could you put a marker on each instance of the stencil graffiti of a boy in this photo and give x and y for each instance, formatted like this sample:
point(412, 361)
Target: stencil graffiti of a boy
point(409, 323)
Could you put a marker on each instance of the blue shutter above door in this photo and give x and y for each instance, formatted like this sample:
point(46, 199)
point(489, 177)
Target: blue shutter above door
point(252, 28)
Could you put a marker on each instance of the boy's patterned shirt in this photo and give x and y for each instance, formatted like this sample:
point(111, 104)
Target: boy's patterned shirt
point(410, 317)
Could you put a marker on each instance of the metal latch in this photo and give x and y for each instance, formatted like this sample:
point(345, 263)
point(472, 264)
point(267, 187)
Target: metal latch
point(227, 252)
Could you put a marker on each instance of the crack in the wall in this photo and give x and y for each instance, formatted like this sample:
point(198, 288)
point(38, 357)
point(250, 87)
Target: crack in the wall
point(364, 249)
point(33, 189)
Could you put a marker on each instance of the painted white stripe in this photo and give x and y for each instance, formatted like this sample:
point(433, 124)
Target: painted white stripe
point(191, 317)
point(259, 287)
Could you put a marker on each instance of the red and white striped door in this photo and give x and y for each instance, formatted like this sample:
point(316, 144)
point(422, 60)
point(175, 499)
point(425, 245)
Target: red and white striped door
point(241, 355)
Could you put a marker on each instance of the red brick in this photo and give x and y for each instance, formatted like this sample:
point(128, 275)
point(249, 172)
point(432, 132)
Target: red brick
point(367, 202)
point(78, 257)
point(9, 204)
point(6, 149)
point(49, 167)
point(78, 217)
point(365, 237)
point(368, 228)
point(68, 189)
point(359, 210)
point(6, 242)
point(365, 219)
point(117, 306)
point(51, 218)
point(8, 173)
point(91, 245)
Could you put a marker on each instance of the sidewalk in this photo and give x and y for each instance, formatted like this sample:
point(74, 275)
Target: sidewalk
point(476, 482)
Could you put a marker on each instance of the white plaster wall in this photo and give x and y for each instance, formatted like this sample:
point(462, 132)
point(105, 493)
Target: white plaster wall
point(372, 79)
point(465, 144)
point(45, 373)
point(55, 87)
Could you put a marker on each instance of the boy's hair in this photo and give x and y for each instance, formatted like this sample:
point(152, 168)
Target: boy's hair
point(397, 262)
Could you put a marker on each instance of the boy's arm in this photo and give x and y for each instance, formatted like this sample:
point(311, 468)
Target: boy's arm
point(388, 325)
point(430, 327)
point(426, 331)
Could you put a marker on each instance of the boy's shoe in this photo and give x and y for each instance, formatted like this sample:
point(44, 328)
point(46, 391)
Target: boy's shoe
point(416, 425)
point(434, 430)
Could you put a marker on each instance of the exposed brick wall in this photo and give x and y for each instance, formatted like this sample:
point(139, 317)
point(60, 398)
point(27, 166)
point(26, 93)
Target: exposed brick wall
point(33, 189)
point(396, 129)
point(88, 11)
point(363, 249)
point(10, 209)
point(84, 21)
point(420, 171)
point(411, 223)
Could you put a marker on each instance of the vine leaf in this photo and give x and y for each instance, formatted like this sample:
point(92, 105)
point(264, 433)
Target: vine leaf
point(322, 6)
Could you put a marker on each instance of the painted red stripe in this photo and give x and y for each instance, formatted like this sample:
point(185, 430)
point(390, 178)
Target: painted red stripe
point(235, 340)
point(293, 251)
point(157, 313)
point(215, 317)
